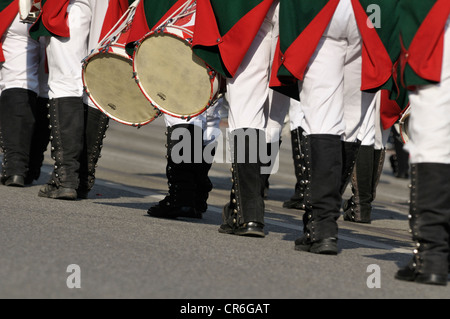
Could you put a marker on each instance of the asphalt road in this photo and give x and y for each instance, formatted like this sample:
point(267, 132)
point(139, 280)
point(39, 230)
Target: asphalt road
point(121, 252)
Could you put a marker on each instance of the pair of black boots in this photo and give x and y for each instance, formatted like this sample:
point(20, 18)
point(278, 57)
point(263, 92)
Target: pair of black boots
point(77, 133)
point(362, 165)
point(24, 136)
point(187, 174)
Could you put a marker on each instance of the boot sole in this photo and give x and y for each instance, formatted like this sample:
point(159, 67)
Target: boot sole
point(15, 181)
point(321, 248)
point(250, 233)
point(324, 249)
point(174, 214)
point(67, 195)
point(12, 184)
point(227, 231)
point(432, 279)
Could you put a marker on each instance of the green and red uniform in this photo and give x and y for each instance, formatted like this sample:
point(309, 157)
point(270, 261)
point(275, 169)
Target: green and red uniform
point(422, 36)
point(302, 24)
point(149, 14)
point(52, 19)
point(425, 71)
point(225, 30)
point(8, 11)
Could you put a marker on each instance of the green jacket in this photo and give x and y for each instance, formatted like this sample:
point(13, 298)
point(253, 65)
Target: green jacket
point(224, 31)
point(4, 4)
point(422, 26)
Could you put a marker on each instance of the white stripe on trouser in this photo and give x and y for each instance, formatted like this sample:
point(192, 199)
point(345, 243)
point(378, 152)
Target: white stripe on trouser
point(65, 55)
point(429, 126)
point(23, 57)
point(252, 103)
point(330, 93)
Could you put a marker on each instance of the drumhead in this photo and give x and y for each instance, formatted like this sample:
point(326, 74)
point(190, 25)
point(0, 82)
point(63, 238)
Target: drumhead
point(109, 81)
point(171, 76)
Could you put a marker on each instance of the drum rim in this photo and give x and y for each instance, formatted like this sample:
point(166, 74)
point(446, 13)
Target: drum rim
point(213, 94)
point(89, 94)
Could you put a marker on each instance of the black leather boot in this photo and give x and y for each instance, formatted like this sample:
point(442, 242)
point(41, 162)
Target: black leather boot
point(272, 150)
point(17, 124)
point(349, 155)
point(323, 156)
point(181, 171)
point(378, 160)
point(401, 158)
point(297, 200)
point(96, 125)
point(203, 184)
point(244, 214)
point(365, 181)
point(40, 141)
point(429, 224)
point(67, 140)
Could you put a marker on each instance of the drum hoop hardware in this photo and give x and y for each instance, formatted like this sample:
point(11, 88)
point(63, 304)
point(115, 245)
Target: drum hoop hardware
point(34, 14)
point(183, 11)
point(404, 123)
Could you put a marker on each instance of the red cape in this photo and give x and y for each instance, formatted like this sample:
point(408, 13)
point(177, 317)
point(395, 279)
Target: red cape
point(6, 18)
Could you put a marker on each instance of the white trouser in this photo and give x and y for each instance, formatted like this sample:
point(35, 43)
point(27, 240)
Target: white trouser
point(296, 115)
point(209, 121)
point(330, 93)
point(24, 60)
point(65, 55)
point(372, 132)
point(429, 124)
point(251, 103)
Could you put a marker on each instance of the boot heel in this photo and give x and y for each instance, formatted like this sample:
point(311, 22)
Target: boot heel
point(432, 279)
point(15, 181)
point(327, 246)
point(251, 229)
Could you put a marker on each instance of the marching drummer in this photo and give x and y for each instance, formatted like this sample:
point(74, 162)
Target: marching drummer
point(24, 132)
point(242, 51)
point(72, 28)
point(187, 175)
point(425, 70)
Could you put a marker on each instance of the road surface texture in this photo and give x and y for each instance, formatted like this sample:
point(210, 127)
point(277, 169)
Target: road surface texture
point(111, 248)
